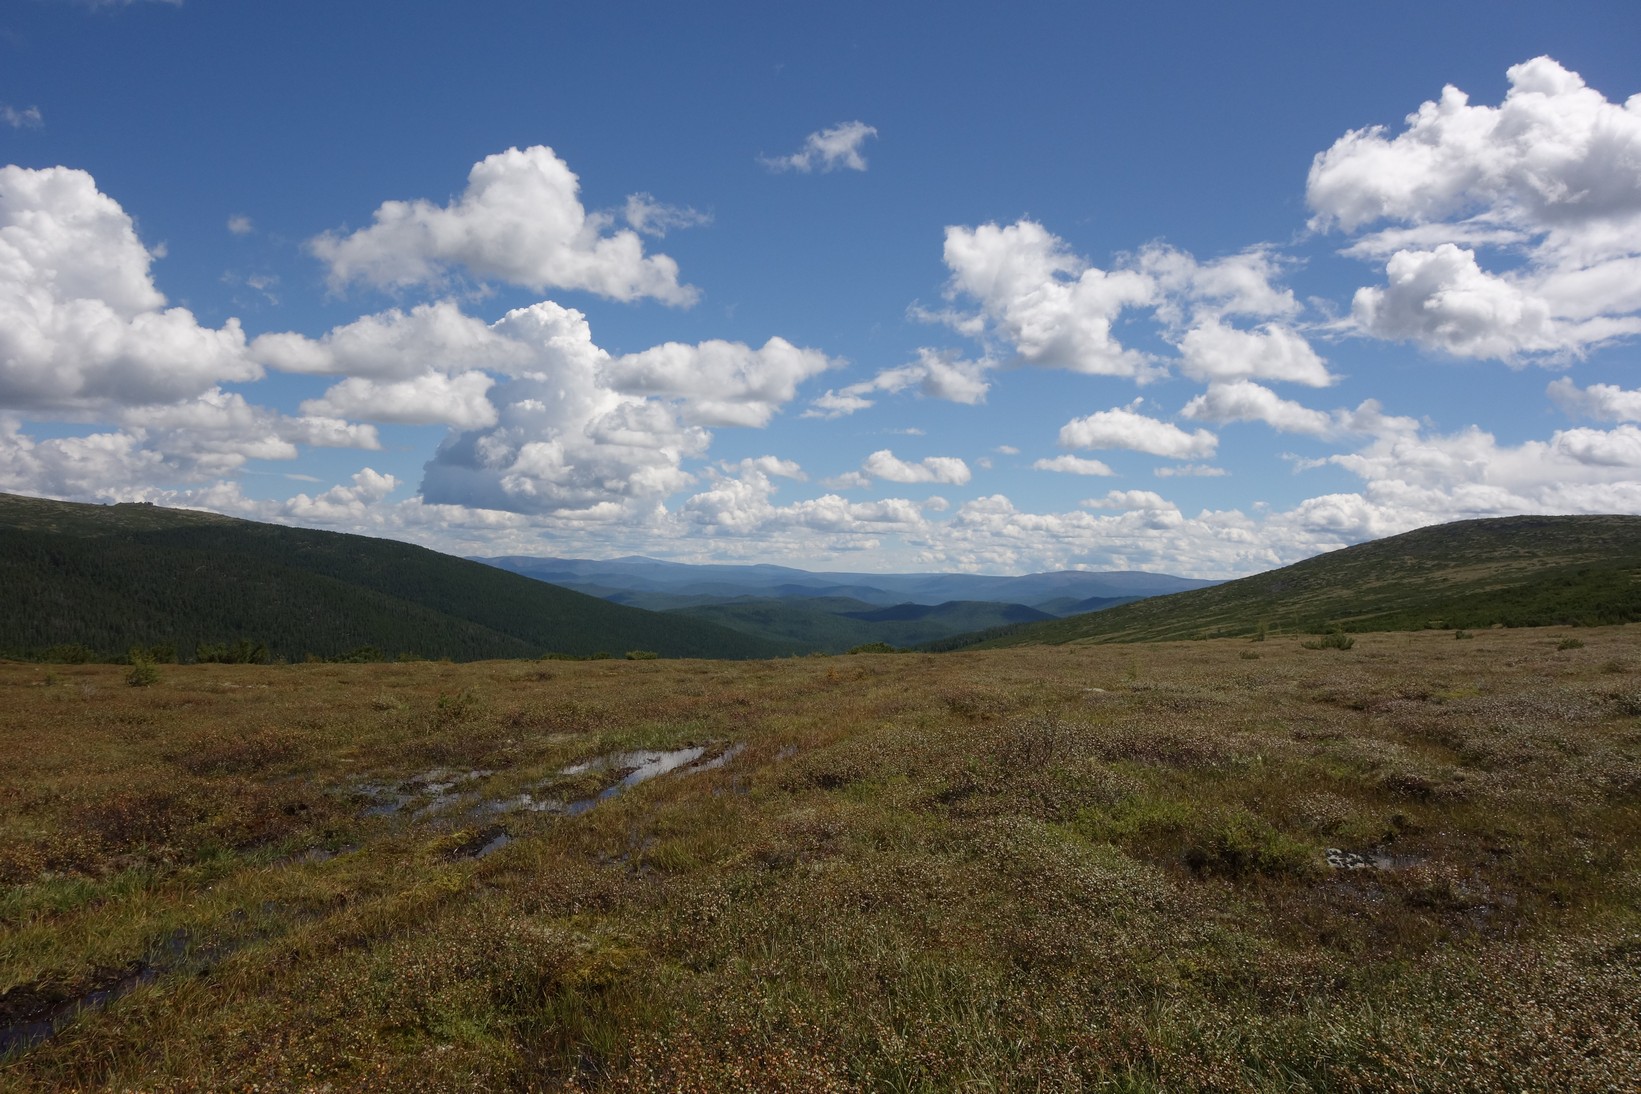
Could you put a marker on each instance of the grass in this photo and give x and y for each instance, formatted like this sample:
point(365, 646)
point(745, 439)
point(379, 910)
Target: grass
point(1062, 868)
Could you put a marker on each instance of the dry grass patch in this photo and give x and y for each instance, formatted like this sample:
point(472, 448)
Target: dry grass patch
point(1398, 866)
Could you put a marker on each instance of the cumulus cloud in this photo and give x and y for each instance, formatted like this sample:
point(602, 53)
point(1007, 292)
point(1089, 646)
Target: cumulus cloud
point(1123, 427)
point(1073, 465)
point(564, 440)
point(1603, 402)
point(883, 464)
point(827, 150)
point(1242, 284)
point(82, 325)
point(240, 225)
point(28, 117)
point(1215, 351)
point(548, 422)
point(1051, 306)
point(1548, 174)
point(520, 220)
point(1443, 299)
point(1131, 500)
point(431, 399)
point(1054, 308)
point(1246, 401)
point(397, 345)
point(718, 383)
point(935, 374)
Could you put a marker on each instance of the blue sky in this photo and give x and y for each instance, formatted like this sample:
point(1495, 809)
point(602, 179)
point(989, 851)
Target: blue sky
point(1196, 289)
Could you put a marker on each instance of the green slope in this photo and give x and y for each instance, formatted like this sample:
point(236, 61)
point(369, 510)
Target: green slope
point(1509, 571)
point(836, 624)
point(109, 577)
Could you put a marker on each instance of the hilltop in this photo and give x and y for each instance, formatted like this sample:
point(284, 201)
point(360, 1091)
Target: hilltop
point(103, 578)
point(1506, 571)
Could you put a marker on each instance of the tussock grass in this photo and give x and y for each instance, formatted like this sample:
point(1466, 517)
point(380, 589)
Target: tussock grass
point(1045, 869)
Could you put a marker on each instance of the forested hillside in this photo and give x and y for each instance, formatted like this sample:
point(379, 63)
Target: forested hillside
point(1507, 571)
point(106, 578)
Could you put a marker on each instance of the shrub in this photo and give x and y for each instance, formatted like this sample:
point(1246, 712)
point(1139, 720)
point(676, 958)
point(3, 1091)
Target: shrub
point(1463, 634)
point(1570, 644)
point(642, 655)
point(875, 647)
point(1333, 640)
point(143, 672)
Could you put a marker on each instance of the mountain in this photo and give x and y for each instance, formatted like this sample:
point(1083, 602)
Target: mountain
point(836, 624)
point(1506, 571)
point(110, 577)
point(644, 578)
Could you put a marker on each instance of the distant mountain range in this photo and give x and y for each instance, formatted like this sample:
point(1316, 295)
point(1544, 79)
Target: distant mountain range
point(100, 579)
point(831, 612)
point(633, 578)
point(1507, 571)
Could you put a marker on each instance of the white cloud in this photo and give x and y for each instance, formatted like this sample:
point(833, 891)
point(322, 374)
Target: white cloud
point(936, 374)
point(883, 464)
point(564, 442)
point(827, 150)
point(397, 345)
point(1603, 402)
point(1123, 427)
point(567, 428)
point(1550, 158)
point(1246, 401)
point(718, 383)
point(1051, 306)
point(1073, 465)
point(82, 325)
point(240, 225)
point(1443, 299)
point(1241, 284)
point(434, 398)
point(521, 221)
point(1549, 174)
point(1189, 470)
point(1214, 351)
point(29, 117)
point(1132, 500)
point(649, 217)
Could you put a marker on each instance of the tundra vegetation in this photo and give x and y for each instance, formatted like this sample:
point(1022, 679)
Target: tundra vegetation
point(1201, 865)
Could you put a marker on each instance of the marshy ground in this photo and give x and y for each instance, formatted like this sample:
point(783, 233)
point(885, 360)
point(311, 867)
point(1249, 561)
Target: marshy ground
point(1215, 865)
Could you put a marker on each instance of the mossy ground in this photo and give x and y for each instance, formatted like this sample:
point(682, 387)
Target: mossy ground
point(1037, 869)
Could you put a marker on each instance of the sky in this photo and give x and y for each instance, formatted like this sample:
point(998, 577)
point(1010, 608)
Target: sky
point(1195, 289)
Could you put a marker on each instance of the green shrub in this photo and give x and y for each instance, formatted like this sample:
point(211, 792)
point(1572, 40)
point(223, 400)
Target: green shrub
point(143, 673)
point(1570, 644)
point(875, 647)
point(1333, 640)
point(642, 655)
point(1241, 845)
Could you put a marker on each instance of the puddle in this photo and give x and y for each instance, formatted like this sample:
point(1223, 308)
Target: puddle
point(722, 758)
point(1372, 860)
point(637, 767)
point(486, 841)
point(31, 1018)
point(429, 792)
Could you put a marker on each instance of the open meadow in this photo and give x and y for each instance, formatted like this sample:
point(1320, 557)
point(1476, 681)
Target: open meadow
point(1215, 865)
